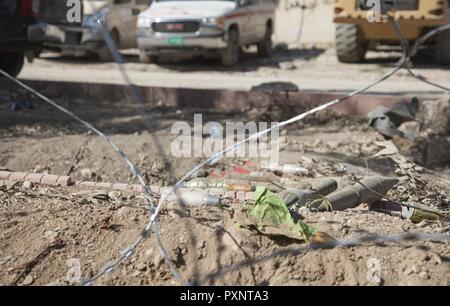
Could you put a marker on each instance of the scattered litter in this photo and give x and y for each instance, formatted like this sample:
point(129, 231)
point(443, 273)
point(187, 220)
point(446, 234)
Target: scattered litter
point(225, 184)
point(287, 169)
point(193, 198)
point(101, 195)
point(22, 104)
point(412, 211)
point(389, 148)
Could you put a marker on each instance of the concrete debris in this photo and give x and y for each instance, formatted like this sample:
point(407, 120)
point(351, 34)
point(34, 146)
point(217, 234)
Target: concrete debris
point(434, 115)
point(29, 280)
point(386, 120)
point(27, 185)
point(420, 130)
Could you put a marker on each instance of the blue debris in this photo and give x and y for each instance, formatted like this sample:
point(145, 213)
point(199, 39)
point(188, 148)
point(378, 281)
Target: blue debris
point(22, 104)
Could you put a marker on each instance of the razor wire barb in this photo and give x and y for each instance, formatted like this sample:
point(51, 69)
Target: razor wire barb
point(154, 212)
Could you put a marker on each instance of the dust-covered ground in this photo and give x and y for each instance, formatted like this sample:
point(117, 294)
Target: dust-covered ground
point(45, 232)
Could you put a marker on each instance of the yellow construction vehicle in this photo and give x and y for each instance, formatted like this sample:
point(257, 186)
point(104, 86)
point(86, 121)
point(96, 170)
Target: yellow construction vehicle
point(358, 29)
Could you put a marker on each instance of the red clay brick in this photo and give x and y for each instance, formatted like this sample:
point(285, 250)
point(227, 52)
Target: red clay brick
point(119, 186)
point(87, 184)
point(155, 189)
point(136, 188)
point(50, 180)
point(229, 195)
point(240, 195)
point(165, 190)
point(104, 185)
point(4, 175)
point(17, 176)
point(249, 196)
point(215, 191)
point(64, 181)
point(34, 177)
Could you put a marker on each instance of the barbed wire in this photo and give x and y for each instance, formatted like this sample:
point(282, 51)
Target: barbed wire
point(152, 226)
point(413, 51)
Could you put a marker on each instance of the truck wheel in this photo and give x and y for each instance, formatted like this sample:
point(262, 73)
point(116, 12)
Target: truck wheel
point(443, 48)
point(11, 63)
point(350, 45)
point(265, 47)
point(144, 58)
point(230, 55)
point(103, 53)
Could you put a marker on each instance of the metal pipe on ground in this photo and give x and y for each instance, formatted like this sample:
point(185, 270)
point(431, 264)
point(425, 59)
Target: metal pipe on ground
point(352, 196)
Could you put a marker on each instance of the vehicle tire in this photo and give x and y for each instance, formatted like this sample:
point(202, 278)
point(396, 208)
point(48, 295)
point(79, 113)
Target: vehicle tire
point(350, 44)
point(231, 54)
point(443, 48)
point(265, 47)
point(103, 53)
point(144, 58)
point(12, 63)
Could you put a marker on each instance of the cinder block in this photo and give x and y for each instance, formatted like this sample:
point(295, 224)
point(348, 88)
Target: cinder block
point(119, 186)
point(17, 176)
point(240, 196)
point(249, 196)
point(104, 185)
point(155, 189)
point(64, 181)
point(165, 190)
point(87, 184)
point(229, 195)
point(216, 191)
point(4, 175)
point(50, 180)
point(34, 178)
point(136, 188)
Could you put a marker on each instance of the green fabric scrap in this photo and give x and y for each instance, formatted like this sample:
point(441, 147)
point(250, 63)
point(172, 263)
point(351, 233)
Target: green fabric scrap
point(270, 210)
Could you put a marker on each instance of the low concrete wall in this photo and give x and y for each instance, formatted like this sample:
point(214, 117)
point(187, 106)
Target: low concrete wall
point(226, 100)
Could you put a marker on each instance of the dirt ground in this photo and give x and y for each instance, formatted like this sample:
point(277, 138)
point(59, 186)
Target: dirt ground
point(47, 229)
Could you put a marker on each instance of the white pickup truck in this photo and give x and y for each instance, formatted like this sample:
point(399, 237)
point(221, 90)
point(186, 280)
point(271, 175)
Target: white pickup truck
point(201, 27)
